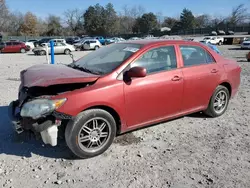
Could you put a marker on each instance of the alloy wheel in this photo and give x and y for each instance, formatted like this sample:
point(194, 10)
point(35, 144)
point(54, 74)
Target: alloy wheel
point(220, 101)
point(94, 134)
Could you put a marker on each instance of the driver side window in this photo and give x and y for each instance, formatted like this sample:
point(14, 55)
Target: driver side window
point(157, 60)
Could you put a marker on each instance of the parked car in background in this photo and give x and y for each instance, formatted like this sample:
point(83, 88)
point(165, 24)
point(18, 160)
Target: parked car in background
point(88, 44)
point(114, 40)
point(214, 33)
point(248, 56)
point(15, 47)
point(214, 40)
point(59, 48)
point(230, 33)
point(120, 88)
point(2, 45)
point(73, 40)
point(134, 38)
point(41, 41)
point(245, 44)
point(101, 39)
point(30, 43)
point(221, 32)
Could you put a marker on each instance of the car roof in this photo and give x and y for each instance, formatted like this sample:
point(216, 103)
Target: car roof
point(150, 42)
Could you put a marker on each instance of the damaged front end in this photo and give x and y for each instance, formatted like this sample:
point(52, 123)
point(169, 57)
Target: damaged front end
point(35, 111)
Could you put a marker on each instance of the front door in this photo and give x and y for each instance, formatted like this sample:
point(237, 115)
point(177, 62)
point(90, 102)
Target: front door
point(159, 94)
point(201, 76)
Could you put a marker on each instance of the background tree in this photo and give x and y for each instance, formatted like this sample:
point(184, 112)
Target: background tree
point(4, 14)
point(94, 19)
point(127, 18)
point(147, 23)
point(202, 21)
point(29, 26)
point(54, 26)
point(169, 22)
point(187, 19)
point(239, 15)
point(74, 20)
point(16, 19)
point(110, 20)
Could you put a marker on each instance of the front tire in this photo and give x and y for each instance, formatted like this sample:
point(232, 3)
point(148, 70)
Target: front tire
point(248, 60)
point(22, 50)
point(219, 102)
point(96, 47)
point(220, 43)
point(66, 52)
point(42, 52)
point(91, 133)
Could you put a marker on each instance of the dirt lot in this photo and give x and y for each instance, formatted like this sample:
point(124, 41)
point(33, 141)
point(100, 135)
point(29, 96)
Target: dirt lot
point(192, 151)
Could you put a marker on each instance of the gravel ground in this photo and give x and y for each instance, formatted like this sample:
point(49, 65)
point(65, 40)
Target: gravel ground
point(193, 151)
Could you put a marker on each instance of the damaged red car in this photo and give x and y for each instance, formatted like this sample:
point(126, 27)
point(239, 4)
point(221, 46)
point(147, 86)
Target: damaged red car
point(122, 87)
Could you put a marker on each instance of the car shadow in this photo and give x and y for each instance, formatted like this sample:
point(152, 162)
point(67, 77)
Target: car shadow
point(235, 48)
point(25, 144)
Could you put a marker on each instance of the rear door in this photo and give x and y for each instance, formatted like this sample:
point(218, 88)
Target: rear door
point(8, 47)
point(16, 47)
point(201, 76)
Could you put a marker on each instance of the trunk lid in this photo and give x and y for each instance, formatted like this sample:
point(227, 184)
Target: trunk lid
point(47, 75)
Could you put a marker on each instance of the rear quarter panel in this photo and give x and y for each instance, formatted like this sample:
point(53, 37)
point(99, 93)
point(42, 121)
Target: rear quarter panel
point(233, 74)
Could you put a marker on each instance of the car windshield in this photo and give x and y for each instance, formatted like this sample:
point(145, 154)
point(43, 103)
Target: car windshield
point(106, 59)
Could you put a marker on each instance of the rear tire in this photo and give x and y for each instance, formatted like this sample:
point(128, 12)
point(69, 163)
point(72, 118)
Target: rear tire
point(219, 102)
point(94, 127)
point(248, 60)
point(42, 52)
point(220, 43)
point(67, 51)
point(22, 50)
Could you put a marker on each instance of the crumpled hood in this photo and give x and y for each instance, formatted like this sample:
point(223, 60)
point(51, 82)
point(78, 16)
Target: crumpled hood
point(46, 75)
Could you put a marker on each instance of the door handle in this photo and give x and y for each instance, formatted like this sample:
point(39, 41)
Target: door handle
point(214, 71)
point(176, 78)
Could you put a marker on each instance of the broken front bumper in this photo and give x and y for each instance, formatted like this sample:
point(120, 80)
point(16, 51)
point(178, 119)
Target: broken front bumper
point(14, 115)
point(47, 128)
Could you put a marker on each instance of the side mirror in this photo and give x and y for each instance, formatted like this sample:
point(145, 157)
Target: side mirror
point(136, 72)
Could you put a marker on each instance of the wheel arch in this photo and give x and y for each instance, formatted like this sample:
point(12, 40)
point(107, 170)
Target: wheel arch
point(228, 86)
point(112, 111)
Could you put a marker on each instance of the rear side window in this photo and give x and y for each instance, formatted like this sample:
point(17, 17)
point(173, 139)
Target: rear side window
point(8, 44)
point(195, 55)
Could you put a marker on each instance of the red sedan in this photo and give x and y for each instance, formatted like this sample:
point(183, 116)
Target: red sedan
point(122, 87)
point(15, 47)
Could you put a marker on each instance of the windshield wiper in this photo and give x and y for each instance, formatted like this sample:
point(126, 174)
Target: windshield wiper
point(85, 69)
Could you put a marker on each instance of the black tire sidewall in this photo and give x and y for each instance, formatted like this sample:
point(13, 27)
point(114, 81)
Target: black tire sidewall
point(75, 125)
point(212, 112)
point(66, 51)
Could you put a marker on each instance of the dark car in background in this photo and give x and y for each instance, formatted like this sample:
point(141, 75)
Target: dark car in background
point(73, 40)
point(43, 40)
point(15, 47)
point(2, 45)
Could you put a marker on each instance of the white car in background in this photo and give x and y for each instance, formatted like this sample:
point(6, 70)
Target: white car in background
point(88, 44)
point(245, 44)
point(30, 43)
point(59, 48)
point(213, 40)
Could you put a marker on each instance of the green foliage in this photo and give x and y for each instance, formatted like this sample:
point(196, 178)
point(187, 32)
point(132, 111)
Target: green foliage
point(146, 23)
point(54, 26)
point(100, 20)
point(187, 19)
